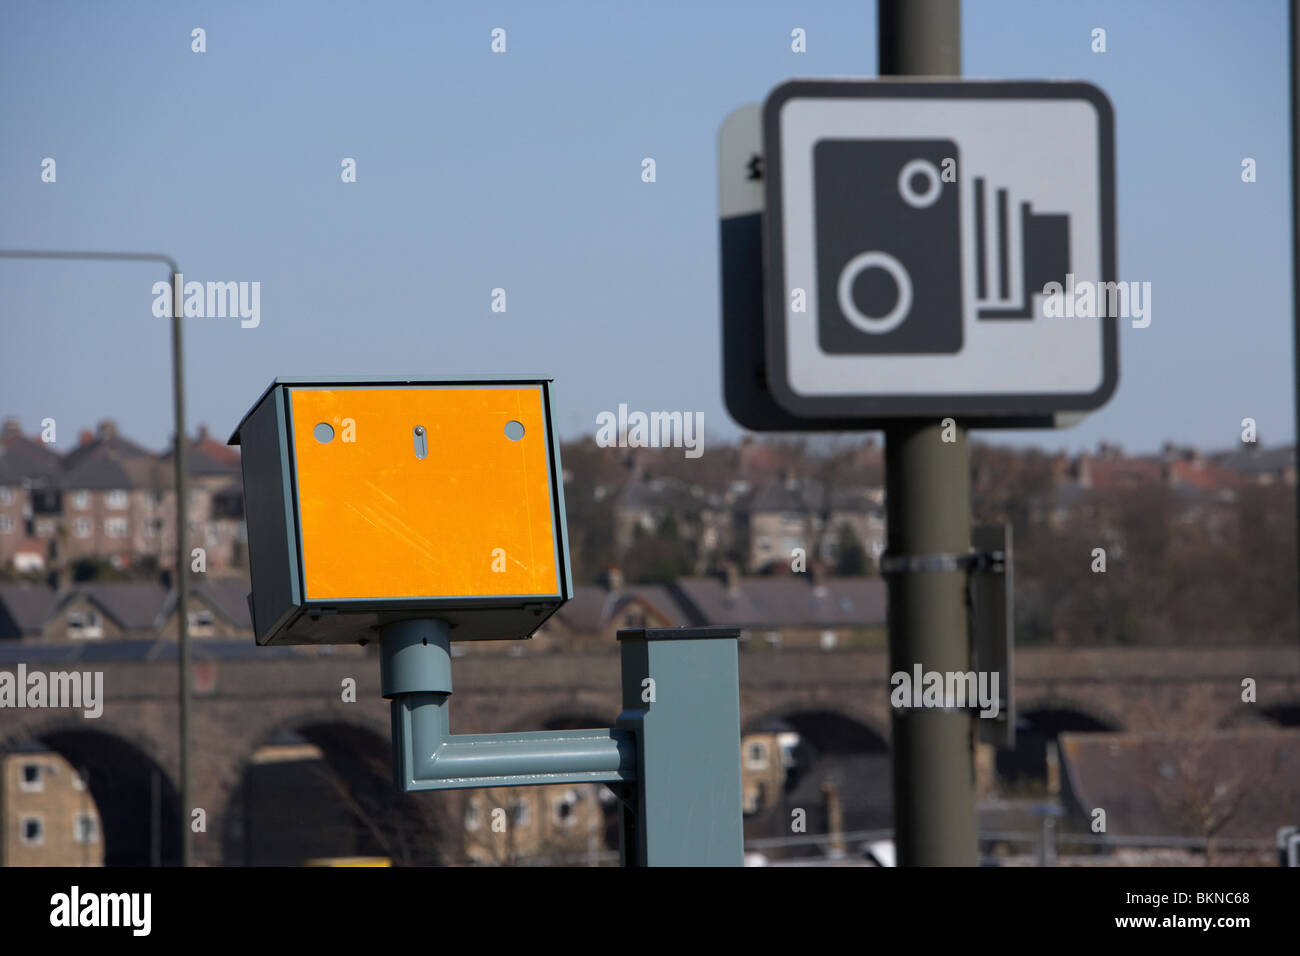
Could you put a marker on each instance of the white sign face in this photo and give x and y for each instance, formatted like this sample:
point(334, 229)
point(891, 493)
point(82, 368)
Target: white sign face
point(913, 234)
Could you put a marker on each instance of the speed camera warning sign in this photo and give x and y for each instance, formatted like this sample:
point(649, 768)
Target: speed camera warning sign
point(919, 238)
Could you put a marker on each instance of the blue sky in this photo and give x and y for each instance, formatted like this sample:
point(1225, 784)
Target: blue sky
point(522, 171)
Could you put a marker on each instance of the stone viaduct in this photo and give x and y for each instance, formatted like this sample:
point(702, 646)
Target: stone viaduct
point(246, 697)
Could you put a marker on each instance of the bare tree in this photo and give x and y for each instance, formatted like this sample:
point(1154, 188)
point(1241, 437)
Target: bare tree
point(1203, 787)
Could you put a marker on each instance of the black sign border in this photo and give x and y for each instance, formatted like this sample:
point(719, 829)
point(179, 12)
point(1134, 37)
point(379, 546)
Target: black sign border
point(992, 406)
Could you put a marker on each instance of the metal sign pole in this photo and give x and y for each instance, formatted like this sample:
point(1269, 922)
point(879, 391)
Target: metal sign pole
point(927, 492)
point(182, 524)
point(1293, 51)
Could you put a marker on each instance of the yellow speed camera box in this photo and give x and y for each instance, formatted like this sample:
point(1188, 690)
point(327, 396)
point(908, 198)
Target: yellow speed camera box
point(372, 500)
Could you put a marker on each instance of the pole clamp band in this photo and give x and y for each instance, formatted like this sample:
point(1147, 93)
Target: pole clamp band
point(971, 561)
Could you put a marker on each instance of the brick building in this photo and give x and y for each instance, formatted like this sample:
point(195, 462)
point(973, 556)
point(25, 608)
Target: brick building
point(47, 816)
point(109, 498)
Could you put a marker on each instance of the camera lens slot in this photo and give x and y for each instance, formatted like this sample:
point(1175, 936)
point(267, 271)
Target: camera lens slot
point(923, 169)
point(875, 325)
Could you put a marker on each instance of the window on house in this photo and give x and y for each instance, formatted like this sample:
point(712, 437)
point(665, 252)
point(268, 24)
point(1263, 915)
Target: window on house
point(116, 499)
point(81, 500)
point(6, 524)
point(566, 808)
point(519, 813)
point(473, 815)
point(32, 830)
point(85, 828)
point(85, 626)
point(756, 755)
point(32, 779)
point(115, 527)
point(81, 527)
point(6, 495)
point(788, 744)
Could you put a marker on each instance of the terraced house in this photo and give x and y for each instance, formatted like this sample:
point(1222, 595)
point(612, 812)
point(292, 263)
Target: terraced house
point(112, 499)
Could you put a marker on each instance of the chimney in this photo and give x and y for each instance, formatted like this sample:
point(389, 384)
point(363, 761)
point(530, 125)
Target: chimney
point(203, 433)
point(108, 428)
point(85, 436)
point(1085, 470)
point(614, 579)
point(731, 577)
point(12, 429)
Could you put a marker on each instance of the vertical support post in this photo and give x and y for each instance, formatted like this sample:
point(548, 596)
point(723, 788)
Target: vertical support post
point(927, 499)
point(1047, 844)
point(681, 699)
point(414, 666)
point(1293, 31)
point(919, 37)
point(182, 551)
point(182, 570)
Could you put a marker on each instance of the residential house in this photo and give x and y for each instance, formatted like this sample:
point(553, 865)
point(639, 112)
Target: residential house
point(797, 610)
point(1258, 465)
point(507, 824)
point(597, 612)
point(768, 754)
point(110, 498)
point(47, 814)
point(29, 499)
point(781, 518)
point(645, 506)
point(122, 610)
point(113, 503)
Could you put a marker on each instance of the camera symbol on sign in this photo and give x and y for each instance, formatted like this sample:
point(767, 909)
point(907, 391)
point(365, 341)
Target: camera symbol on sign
point(889, 248)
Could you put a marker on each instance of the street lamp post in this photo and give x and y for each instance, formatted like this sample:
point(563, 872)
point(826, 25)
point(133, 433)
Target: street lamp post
point(182, 551)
